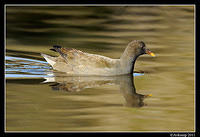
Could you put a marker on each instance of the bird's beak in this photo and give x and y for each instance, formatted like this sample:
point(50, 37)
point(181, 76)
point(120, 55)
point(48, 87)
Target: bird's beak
point(147, 51)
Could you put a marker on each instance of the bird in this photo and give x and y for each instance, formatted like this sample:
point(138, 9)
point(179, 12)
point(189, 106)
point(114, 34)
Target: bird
point(74, 62)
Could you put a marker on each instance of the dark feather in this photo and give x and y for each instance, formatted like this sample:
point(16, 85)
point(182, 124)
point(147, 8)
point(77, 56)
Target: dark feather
point(53, 50)
point(56, 47)
point(59, 49)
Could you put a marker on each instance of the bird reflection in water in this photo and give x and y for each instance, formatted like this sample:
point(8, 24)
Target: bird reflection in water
point(78, 83)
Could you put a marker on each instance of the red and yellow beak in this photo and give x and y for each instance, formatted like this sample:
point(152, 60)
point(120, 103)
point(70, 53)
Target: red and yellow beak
point(150, 53)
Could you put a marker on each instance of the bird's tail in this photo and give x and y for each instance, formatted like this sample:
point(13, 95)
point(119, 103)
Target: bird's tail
point(49, 59)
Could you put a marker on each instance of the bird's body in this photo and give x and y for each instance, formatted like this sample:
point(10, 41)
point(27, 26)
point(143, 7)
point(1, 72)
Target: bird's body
point(81, 63)
point(76, 62)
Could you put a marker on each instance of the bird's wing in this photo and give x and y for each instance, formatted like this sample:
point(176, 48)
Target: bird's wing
point(76, 57)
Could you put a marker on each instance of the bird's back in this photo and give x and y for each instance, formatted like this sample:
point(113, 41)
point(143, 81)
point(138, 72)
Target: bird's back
point(76, 62)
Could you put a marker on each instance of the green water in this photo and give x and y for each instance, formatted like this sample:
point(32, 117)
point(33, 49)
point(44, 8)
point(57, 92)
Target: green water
point(100, 103)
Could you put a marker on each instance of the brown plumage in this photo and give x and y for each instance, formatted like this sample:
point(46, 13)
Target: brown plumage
point(76, 62)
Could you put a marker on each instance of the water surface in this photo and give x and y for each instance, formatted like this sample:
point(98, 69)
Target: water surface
point(41, 99)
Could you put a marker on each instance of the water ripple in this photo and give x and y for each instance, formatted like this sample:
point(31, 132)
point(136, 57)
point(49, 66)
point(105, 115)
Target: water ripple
point(17, 67)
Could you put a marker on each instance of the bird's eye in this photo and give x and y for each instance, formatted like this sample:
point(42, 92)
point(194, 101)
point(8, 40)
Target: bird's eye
point(142, 45)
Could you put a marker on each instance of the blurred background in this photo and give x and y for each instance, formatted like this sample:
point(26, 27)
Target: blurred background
point(168, 31)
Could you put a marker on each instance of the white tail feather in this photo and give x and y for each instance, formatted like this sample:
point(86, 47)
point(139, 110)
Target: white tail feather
point(49, 59)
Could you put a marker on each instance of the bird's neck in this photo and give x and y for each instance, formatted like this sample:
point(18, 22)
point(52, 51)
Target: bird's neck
point(127, 61)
